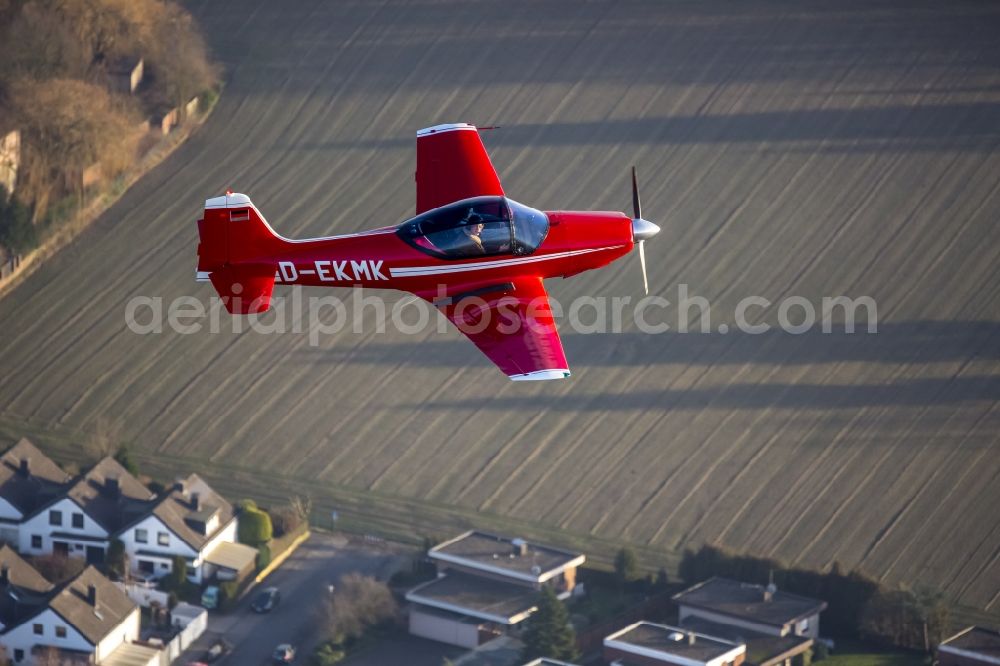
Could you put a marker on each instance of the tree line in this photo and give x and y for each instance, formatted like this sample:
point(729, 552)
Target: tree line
point(58, 59)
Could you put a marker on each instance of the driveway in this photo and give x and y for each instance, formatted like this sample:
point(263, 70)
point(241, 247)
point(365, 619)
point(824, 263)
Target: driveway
point(303, 580)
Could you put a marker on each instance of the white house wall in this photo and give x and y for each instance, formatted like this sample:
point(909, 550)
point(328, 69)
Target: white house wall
point(126, 632)
point(443, 629)
point(8, 511)
point(39, 525)
point(22, 637)
point(227, 533)
point(9, 531)
point(153, 526)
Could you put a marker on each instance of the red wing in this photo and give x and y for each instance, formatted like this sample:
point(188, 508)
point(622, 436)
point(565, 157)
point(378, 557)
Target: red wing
point(512, 324)
point(452, 164)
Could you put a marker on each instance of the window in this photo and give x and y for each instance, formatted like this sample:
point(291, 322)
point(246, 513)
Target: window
point(18, 654)
point(78, 521)
point(163, 538)
point(37, 629)
point(36, 541)
point(60, 631)
point(477, 227)
point(141, 535)
point(55, 518)
point(530, 228)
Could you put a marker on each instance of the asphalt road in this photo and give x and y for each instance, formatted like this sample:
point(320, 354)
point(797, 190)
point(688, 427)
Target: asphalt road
point(303, 579)
point(806, 149)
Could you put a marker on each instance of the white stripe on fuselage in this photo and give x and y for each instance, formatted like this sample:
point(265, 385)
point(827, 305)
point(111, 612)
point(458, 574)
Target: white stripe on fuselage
point(418, 271)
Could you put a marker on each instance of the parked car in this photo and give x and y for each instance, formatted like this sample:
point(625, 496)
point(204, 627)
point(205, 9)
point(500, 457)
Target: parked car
point(143, 579)
point(266, 600)
point(284, 654)
point(210, 597)
point(217, 651)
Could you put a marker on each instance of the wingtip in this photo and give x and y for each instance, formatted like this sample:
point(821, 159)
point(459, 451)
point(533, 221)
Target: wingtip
point(541, 375)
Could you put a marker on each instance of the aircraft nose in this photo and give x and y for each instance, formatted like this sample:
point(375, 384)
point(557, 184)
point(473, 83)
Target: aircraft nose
point(643, 229)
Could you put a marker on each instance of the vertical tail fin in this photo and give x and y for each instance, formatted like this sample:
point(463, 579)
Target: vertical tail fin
point(236, 253)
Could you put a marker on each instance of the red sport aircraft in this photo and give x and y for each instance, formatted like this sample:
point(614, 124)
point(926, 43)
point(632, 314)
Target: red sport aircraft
point(475, 254)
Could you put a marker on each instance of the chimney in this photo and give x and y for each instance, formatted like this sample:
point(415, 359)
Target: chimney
point(92, 595)
point(520, 547)
point(4, 575)
point(196, 501)
point(180, 485)
point(691, 638)
point(112, 486)
point(25, 468)
point(769, 592)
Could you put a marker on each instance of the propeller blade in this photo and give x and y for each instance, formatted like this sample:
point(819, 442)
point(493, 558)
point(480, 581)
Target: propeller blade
point(642, 261)
point(636, 205)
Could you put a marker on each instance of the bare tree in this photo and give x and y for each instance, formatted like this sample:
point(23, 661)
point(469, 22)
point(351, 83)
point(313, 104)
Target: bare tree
point(48, 656)
point(38, 44)
point(178, 57)
point(358, 603)
point(302, 506)
point(83, 124)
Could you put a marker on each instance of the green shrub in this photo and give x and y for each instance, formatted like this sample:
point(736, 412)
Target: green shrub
point(263, 557)
point(627, 566)
point(207, 99)
point(327, 654)
point(125, 459)
point(255, 527)
point(17, 233)
point(227, 594)
point(116, 559)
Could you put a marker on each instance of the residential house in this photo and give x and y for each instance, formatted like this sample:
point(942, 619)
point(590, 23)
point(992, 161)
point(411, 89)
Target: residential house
point(762, 649)
point(28, 480)
point(87, 619)
point(83, 521)
point(757, 608)
point(487, 586)
point(648, 644)
point(193, 521)
point(973, 646)
point(43, 510)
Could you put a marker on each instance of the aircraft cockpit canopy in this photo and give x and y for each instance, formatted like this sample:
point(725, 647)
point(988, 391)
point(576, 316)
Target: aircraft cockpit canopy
point(478, 227)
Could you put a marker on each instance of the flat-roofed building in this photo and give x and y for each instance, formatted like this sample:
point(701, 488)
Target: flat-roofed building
point(762, 649)
point(760, 608)
point(486, 587)
point(509, 559)
point(973, 646)
point(649, 644)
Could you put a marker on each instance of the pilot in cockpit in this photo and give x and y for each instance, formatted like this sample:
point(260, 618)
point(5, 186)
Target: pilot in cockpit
point(473, 229)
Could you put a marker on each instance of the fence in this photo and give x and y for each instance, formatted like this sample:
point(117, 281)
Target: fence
point(144, 596)
point(190, 623)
